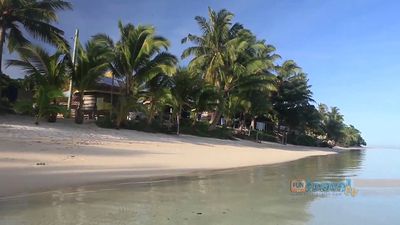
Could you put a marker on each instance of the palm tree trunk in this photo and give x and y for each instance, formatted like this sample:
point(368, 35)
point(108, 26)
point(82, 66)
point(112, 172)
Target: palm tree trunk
point(37, 119)
point(79, 113)
point(214, 122)
point(178, 122)
point(52, 117)
point(2, 39)
point(151, 113)
point(218, 112)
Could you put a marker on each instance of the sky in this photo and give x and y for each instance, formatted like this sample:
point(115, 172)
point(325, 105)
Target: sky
point(349, 49)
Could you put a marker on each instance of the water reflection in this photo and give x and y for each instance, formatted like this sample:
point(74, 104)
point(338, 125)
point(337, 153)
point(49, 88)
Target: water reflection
point(248, 196)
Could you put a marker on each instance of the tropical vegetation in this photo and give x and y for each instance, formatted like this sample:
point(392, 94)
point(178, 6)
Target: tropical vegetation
point(34, 17)
point(233, 80)
point(47, 73)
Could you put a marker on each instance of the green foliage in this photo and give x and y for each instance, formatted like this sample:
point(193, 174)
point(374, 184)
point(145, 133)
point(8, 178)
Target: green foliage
point(47, 74)
point(198, 129)
point(4, 81)
point(124, 105)
point(105, 122)
point(302, 139)
point(231, 73)
point(45, 101)
point(201, 129)
point(351, 137)
point(333, 122)
point(258, 135)
point(92, 61)
point(21, 17)
point(24, 107)
point(292, 99)
point(230, 58)
point(140, 59)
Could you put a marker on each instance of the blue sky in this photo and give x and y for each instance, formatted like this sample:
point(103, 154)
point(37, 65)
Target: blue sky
point(349, 49)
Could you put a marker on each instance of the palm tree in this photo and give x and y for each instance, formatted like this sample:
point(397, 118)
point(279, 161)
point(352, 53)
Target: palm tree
point(293, 96)
point(35, 17)
point(352, 137)
point(333, 122)
point(186, 91)
point(140, 55)
point(155, 94)
point(48, 73)
point(228, 56)
point(92, 62)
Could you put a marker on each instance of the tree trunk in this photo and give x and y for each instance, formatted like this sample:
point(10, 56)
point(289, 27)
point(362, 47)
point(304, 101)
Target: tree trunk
point(217, 117)
point(52, 117)
point(2, 39)
point(195, 115)
point(219, 111)
point(79, 113)
point(37, 119)
point(151, 114)
point(178, 118)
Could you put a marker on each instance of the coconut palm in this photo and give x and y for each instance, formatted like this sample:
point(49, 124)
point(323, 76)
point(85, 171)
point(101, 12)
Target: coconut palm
point(154, 94)
point(140, 55)
point(48, 73)
point(332, 122)
point(228, 56)
point(352, 137)
point(34, 17)
point(92, 61)
point(293, 96)
point(187, 90)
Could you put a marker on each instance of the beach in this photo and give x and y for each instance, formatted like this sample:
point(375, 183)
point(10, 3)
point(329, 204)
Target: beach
point(48, 156)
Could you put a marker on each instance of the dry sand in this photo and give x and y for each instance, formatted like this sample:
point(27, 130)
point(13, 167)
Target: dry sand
point(85, 154)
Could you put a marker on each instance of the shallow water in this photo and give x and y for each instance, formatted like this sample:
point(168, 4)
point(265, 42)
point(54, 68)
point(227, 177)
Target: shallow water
point(259, 195)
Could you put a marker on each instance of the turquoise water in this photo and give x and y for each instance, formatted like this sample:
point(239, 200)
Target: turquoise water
point(259, 195)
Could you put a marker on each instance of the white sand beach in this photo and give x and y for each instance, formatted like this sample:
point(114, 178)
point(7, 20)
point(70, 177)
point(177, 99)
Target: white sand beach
point(76, 155)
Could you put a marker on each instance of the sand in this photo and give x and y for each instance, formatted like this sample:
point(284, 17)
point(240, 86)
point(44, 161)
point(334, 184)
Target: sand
point(63, 154)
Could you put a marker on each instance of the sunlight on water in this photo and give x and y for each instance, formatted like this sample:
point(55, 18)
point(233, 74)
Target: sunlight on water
point(248, 196)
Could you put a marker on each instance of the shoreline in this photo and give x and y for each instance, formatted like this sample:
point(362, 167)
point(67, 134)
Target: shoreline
point(112, 184)
point(81, 155)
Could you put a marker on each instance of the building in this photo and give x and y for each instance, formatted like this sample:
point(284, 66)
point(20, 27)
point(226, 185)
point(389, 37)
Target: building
point(98, 100)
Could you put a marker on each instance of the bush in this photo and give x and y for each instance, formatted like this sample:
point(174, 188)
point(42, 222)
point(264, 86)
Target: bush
point(154, 127)
point(262, 136)
point(105, 122)
point(24, 107)
point(302, 139)
point(201, 129)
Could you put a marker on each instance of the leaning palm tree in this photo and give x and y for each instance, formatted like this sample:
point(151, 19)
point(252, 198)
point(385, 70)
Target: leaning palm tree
point(140, 55)
point(92, 62)
point(334, 124)
point(48, 73)
point(34, 17)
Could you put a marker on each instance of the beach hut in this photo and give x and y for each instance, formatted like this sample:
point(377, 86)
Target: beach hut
point(98, 101)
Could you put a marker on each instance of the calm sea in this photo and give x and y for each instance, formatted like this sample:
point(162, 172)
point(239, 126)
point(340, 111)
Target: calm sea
point(258, 195)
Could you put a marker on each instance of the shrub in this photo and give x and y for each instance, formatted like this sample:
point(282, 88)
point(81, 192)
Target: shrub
point(302, 139)
point(105, 122)
point(262, 136)
point(201, 129)
point(24, 107)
